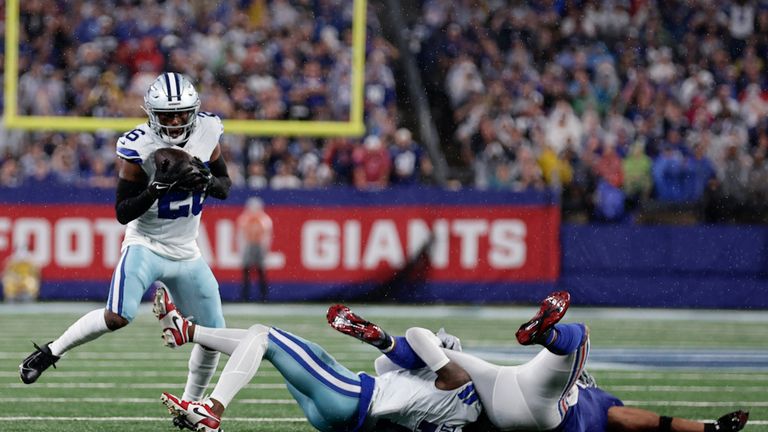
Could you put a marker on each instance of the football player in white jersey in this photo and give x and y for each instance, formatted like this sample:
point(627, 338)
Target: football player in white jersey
point(439, 398)
point(548, 393)
point(163, 221)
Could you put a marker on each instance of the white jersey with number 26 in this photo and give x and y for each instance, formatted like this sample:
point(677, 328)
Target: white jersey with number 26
point(169, 228)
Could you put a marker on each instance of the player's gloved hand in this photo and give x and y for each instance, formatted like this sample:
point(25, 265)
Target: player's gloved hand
point(730, 422)
point(166, 178)
point(157, 189)
point(448, 340)
point(196, 177)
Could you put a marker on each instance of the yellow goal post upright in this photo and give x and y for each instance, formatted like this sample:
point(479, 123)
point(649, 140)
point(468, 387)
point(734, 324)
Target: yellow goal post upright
point(355, 126)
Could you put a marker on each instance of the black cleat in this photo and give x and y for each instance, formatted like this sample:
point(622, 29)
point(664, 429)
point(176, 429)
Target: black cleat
point(182, 423)
point(36, 363)
point(732, 422)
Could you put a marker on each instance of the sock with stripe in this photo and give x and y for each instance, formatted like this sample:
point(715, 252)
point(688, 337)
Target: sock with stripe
point(564, 339)
point(402, 354)
point(89, 327)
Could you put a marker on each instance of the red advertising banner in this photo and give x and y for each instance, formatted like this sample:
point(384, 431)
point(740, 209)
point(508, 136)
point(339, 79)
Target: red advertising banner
point(470, 243)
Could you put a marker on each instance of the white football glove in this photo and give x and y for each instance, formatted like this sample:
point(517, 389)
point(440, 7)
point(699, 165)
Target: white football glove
point(448, 340)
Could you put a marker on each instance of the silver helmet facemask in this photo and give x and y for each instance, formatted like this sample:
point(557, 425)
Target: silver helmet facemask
point(171, 93)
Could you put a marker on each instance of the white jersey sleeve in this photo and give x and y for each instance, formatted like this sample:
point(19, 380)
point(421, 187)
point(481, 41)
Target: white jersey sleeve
point(170, 227)
point(136, 146)
point(409, 398)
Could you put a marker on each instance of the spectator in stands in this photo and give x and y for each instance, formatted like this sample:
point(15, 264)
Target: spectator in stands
point(371, 164)
point(609, 167)
point(669, 174)
point(702, 172)
point(284, 177)
point(563, 127)
point(731, 195)
point(338, 155)
point(100, 175)
point(10, 175)
point(528, 176)
point(406, 159)
point(555, 169)
point(257, 178)
point(637, 175)
point(757, 187)
point(501, 177)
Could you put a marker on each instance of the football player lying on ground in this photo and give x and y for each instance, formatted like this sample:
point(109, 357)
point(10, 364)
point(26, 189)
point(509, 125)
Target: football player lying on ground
point(332, 397)
point(543, 394)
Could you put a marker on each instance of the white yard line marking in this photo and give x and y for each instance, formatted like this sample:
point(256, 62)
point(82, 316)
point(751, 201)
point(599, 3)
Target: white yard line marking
point(719, 376)
point(125, 385)
point(132, 400)
point(153, 419)
point(123, 374)
point(656, 388)
point(695, 404)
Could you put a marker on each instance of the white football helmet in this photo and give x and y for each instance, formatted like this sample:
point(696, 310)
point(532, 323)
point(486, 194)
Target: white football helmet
point(172, 105)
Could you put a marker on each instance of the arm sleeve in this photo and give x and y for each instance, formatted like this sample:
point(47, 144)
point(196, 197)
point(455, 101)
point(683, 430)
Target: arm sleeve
point(132, 200)
point(427, 346)
point(220, 183)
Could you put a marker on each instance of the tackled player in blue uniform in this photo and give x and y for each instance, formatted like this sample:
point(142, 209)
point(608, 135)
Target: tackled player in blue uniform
point(551, 392)
point(160, 197)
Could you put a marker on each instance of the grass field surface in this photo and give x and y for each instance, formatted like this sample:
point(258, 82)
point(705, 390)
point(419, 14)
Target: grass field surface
point(695, 364)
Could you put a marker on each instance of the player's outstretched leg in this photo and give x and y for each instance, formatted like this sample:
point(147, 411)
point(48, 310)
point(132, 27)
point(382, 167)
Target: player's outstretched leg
point(36, 363)
point(175, 326)
point(196, 416)
point(345, 321)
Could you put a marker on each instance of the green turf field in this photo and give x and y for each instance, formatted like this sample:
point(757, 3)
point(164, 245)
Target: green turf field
point(684, 363)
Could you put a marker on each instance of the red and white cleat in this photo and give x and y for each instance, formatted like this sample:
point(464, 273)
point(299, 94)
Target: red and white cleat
point(550, 313)
point(347, 322)
point(196, 416)
point(175, 326)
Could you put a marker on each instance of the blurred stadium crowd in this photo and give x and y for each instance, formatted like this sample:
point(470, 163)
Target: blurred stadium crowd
point(617, 105)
